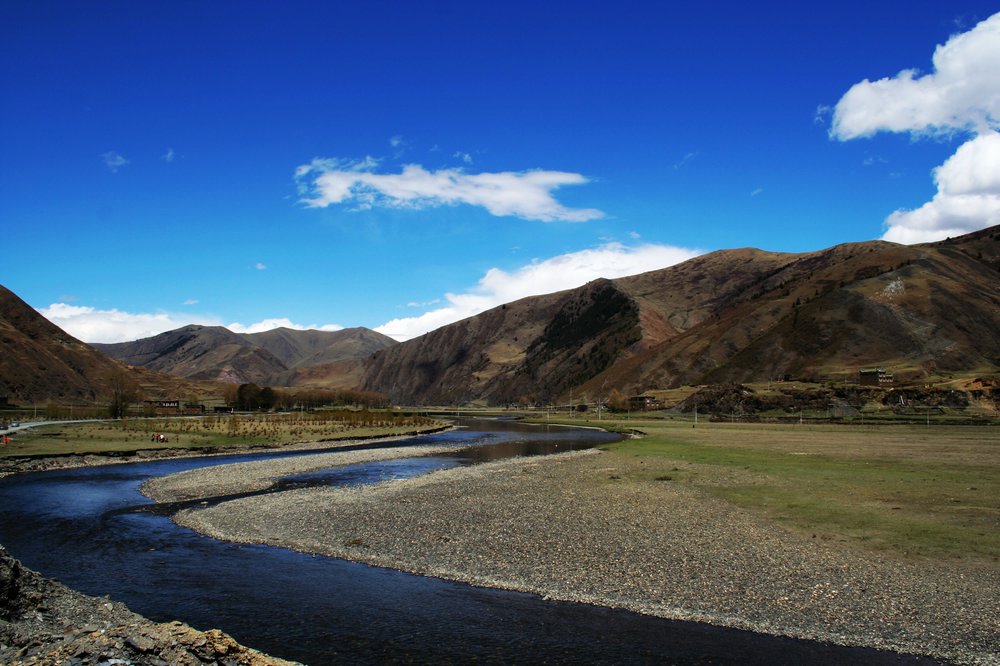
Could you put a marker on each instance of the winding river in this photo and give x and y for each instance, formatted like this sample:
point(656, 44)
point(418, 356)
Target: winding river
point(93, 530)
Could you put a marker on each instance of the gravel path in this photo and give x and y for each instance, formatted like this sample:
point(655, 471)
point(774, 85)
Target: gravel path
point(567, 527)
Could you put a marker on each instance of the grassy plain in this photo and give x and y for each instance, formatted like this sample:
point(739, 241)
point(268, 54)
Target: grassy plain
point(912, 491)
point(213, 432)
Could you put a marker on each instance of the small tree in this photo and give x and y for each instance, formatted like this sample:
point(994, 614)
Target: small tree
point(248, 397)
point(124, 391)
point(229, 394)
point(268, 398)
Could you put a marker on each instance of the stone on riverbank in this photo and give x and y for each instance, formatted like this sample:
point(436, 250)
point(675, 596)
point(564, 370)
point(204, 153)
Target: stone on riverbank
point(45, 622)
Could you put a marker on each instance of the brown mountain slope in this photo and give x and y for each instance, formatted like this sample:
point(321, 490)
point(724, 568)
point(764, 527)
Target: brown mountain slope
point(306, 349)
point(40, 362)
point(916, 309)
point(199, 352)
point(733, 315)
point(281, 357)
point(534, 348)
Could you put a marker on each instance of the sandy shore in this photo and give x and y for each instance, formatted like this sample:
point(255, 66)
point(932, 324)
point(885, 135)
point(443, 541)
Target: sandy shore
point(566, 527)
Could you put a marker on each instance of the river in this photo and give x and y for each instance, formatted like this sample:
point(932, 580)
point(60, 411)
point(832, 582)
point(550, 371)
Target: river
point(93, 530)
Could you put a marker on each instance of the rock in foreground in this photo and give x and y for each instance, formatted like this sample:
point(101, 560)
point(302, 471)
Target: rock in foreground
point(44, 622)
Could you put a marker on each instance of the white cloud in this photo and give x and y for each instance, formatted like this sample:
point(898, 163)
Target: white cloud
point(191, 301)
point(113, 160)
point(279, 322)
point(526, 194)
point(962, 94)
point(169, 155)
point(968, 197)
point(260, 266)
point(465, 157)
point(93, 325)
point(757, 192)
point(396, 141)
point(540, 277)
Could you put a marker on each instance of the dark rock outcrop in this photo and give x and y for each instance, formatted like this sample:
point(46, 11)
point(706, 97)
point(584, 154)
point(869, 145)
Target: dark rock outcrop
point(44, 622)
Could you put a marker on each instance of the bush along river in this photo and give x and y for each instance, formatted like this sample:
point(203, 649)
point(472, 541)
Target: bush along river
point(93, 530)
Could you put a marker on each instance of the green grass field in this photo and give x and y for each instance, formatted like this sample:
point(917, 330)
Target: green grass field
point(908, 490)
point(212, 432)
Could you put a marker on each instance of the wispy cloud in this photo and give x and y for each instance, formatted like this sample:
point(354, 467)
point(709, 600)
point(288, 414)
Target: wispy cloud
point(260, 266)
point(961, 95)
point(539, 277)
point(465, 157)
point(757, 192)
point(823, 112)
point(113, 160)
point(191, 301)
point(168, 156)
point(525, 194)
point(424, 304)
point(682, 162)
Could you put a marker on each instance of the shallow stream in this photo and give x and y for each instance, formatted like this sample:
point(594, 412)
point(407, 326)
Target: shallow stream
point(91, 529)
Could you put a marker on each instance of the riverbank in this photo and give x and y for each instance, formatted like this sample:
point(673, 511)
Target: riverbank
point(45, 622)
point(565, 528)
point(40, 463)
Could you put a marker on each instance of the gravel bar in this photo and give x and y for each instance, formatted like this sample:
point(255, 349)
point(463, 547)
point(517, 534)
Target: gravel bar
point(246, 477)
point(566, 528)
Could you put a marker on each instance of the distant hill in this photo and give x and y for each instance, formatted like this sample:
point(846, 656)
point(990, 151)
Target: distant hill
point(40, 362)
point(732, 315)
point(280, 357)
point(308, 349)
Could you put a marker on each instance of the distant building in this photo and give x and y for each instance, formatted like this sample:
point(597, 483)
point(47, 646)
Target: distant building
point(173, 407)
point(874, 377)
point(642, 403)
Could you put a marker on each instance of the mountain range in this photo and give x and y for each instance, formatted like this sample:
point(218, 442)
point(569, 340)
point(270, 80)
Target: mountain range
point(920, 311)
point(279, 357)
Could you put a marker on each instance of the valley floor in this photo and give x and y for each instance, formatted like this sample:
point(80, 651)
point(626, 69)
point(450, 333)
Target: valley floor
point(567, 527)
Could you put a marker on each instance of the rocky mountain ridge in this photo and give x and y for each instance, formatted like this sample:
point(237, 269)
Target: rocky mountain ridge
point(728, 316)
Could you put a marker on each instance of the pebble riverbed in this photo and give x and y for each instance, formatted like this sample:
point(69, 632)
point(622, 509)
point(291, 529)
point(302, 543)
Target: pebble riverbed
point(567, 527)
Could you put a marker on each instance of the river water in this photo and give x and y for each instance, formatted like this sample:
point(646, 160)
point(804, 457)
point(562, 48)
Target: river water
point(92, 529)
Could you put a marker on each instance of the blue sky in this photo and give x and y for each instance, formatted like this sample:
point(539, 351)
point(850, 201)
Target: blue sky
point(402, 165)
